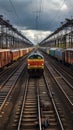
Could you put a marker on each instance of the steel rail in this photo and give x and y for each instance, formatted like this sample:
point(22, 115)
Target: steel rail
point(65, 71)
point(55, 108)
point(63, 77)
point(39, 109)
point(2, 85)
point(69, 101)
point(15, 67)
point(22, 109)
point(11, 89)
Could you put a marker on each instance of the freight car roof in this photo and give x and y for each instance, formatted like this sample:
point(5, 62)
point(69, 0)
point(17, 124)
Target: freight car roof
point(23, 49)
point(53, 48)
point(60, 49)
point(3, 50)
point(69, 49)
point(14, 50)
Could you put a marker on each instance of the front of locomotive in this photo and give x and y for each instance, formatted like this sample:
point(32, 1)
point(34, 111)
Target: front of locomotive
point(35, 64)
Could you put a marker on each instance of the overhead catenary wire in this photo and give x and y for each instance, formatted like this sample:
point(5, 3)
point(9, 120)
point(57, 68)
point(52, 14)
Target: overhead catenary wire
point(58, 8)
point(16, 14)
point(38, 15)
point(70, 6)
point(14, 9)
point(55, 17)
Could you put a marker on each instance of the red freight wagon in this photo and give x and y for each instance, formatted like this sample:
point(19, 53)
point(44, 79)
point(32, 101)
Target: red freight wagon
point(15, 54)
point(69, 56)
point(2, 56)
point(21, 52)
point(26, 50)
point(5, 57)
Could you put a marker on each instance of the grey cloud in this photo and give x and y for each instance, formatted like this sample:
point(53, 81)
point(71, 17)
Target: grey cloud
point(49, 19)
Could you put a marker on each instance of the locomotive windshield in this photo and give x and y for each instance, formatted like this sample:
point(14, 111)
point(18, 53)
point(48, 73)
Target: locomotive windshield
point(35, 57)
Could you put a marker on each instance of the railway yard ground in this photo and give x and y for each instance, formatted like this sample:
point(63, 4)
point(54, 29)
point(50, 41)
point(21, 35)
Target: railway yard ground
point(36, 103)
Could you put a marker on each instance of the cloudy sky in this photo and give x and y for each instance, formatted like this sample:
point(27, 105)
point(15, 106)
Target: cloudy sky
point(36, 18)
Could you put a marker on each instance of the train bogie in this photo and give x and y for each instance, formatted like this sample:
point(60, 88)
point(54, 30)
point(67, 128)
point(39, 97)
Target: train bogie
point(35, 72)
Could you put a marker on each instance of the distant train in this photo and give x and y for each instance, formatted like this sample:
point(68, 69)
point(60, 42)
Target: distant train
point(63, 55)
point(8, 56)
point(35, 64)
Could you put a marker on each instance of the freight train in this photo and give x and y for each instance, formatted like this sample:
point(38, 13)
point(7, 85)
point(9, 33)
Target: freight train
point(35, 64)
point(8, 56)
point(63, 55)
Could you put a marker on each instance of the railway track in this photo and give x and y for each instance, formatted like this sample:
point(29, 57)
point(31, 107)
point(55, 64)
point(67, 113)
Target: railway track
point(63, 79)
point(7, 73)
point(27, 113)
point(64, 87)
point(7, 69)
point(8, 81)
point(63, 69)
point(49, 108)
point(8, 87)
point(36, 109)
point(67, 73)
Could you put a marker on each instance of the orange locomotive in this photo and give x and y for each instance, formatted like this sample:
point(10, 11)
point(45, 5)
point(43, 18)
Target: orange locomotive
point(35, 64)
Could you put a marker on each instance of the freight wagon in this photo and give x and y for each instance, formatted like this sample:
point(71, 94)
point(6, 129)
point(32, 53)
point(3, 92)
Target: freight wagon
point(52, 51)
point(5, 57)
point(69, 56)
point(59, 54)
point(64, 55)
point(14, 55)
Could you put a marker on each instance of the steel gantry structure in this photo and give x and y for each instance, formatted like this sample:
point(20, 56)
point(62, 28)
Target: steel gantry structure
point(61, 37)
point(10, 37)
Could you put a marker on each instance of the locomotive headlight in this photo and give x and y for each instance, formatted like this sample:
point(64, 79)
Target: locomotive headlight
point(28, 64)
point(42, 64)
